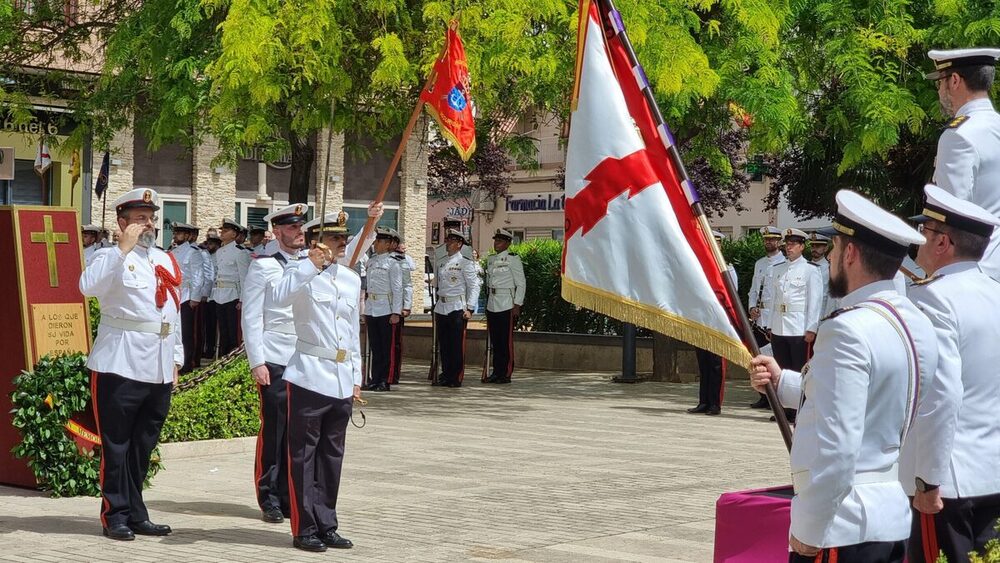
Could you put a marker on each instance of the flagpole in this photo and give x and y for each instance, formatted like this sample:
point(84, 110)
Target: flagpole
point(699, 213)
point(407, 131)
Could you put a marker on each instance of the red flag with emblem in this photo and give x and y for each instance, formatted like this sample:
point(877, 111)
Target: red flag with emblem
point(448, 98)
point(634, 248)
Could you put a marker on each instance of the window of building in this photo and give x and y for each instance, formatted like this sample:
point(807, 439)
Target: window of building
point(171, 211)
point(358, 216)
point(518, 235)
point(558, 234)
point(255, 217)
point(26, 187)
point(756, 168)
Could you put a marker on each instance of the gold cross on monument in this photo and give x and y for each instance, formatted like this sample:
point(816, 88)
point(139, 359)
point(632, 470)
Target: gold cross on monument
point(51, 239)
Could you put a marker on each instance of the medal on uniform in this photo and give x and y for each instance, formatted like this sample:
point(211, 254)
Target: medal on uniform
point(131, 267)
point(454, 279)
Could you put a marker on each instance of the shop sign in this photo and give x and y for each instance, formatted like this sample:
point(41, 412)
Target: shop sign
point(536, 202)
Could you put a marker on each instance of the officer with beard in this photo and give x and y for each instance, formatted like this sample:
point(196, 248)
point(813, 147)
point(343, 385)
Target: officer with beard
point(135, 359)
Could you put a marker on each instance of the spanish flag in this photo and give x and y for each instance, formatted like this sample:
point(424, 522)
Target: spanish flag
point(448, 98)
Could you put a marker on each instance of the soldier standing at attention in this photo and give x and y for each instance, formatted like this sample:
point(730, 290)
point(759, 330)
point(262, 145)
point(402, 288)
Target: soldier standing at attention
point(968, 153)
point(505, 286)
point(383, 308)
point(190, 260)
point(269, 333)
point(457, 285)
point(760, 291)
point(407, 265)
point(231, 262)
point(135, 359)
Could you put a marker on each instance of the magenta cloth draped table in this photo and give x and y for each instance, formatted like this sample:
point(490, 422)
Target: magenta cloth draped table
point(752, 526)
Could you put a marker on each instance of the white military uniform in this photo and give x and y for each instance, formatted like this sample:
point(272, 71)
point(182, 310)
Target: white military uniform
point(797, 293)
point(457, 283)
point(829, 304)
point(407, 266)
point(384, 295)
point(327, 357)
point(957, 425)
point(855, 397)
point(135, 339)
point(190, 260)
point(968, 165)
point(268, 329)
point(231, 265)
point(505, 281)
point(761, 286)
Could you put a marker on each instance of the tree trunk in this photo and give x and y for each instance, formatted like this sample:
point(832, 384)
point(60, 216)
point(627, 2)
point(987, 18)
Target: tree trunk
point(303, 155)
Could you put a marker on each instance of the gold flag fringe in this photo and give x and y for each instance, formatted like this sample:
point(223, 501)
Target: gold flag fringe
point(655, 319)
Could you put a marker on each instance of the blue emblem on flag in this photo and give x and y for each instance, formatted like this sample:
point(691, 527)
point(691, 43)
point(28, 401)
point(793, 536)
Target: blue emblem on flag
point(456, 99)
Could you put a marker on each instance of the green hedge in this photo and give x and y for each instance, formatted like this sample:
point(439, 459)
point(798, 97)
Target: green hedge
point(545, 310)
point(226, 405)
point(52, 454)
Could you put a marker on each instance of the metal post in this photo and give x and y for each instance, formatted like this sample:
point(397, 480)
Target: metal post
point(628, 355)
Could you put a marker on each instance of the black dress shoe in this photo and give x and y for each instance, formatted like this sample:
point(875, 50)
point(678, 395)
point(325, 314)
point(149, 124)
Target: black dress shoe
point(761, 404)
point(309, 543)
point(702, 407)
point(333, 539)
point(713, 411)
point(147, 528)
point(502, 381)
point(453, 384)
point(272, 515)
point(121, 532)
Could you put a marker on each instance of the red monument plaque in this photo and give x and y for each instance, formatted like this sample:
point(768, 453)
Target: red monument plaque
point(41, 260)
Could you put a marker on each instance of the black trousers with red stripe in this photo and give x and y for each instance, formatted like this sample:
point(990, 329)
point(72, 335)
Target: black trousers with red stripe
point(271, 463)
point(397, 331)
point(868, 552)
point(963, 525)
point(381, 339)
point(501, 327)
point(317, 429)
point(210, 328)
point(451, 338)
point(710, 378)
point(130, 415)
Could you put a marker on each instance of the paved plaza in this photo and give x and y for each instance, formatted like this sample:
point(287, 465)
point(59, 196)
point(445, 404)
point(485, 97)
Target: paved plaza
point(556, 467)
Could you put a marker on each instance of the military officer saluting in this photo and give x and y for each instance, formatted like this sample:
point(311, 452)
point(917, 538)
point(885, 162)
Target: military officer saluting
point(760, 297)
point(505, 287)
point(457, 285)
point(323, 378)
point(190, 260)
point(383, 307)
point(231, 264)
point(269, 333)
point(950, 462)
point(856, 397)
point(135, 359)
point(968, 153)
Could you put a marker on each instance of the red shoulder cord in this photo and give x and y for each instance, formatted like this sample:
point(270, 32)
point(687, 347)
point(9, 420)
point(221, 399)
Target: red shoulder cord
point(167, 282)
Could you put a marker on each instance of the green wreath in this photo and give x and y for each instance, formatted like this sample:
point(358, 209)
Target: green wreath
point(44, 400)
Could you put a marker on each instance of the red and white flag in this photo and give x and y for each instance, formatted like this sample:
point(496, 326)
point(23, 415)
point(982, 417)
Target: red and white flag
point(634, 248)
point(43, 160)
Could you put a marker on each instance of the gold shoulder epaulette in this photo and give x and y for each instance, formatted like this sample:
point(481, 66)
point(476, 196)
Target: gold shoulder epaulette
point(837, 312)
point(957, 121)
point(927, 280)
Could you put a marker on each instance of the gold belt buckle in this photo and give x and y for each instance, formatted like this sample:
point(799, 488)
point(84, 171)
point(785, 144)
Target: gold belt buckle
point(784, 309)
point(341, 354)
point(164, 329)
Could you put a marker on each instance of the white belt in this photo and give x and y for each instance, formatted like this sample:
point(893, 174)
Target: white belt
point(225, 284)
point(338, 355)
point(791, 308)
point(458, 298)
point(283, 328)
point(800, 480)
point(150, 327)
